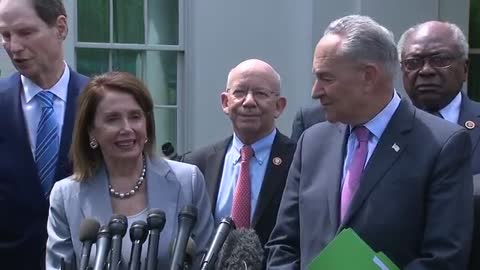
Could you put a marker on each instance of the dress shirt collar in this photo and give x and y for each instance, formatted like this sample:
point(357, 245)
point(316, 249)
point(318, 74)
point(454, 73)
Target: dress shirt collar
point(377, 125)
point(261, 148)
point(451, 112)
point(60, 89)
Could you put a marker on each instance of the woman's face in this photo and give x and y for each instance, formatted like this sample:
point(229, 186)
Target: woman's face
point(119, 127)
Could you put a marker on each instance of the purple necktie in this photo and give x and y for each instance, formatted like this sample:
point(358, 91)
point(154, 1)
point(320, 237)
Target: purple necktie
point(242, 194)
point(354, 171)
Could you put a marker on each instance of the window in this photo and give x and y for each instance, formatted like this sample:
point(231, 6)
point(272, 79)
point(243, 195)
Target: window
point(142, 37)
point(474, 56)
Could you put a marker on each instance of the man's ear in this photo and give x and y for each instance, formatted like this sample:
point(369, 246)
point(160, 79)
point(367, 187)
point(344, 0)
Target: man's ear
point(62, 27)
point(370, 74)
point(224, 99)
point(280, 106)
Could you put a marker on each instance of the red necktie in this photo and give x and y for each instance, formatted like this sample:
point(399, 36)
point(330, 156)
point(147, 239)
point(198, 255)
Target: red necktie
point(355, 169)
point(241, 197)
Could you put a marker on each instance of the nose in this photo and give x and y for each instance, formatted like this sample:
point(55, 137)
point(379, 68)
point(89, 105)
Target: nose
point(14, 45)
point(317, 90)
point(126, 125)
point(249, 100)
point(426, 69)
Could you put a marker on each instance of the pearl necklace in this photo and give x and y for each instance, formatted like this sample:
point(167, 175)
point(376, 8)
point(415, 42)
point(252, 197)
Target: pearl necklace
point(136, 187)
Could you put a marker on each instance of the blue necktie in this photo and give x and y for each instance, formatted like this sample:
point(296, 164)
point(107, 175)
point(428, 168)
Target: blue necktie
point(46, 150)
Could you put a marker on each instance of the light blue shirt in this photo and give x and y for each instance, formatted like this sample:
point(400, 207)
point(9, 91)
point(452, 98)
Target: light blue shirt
point(231, 169)
point(32, 108)
point(376, 126)
point(451, 112)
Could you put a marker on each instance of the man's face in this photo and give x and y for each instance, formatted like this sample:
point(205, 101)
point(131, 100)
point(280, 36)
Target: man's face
point(434, 84)
point(338, 83)
point(31, 44)
point(253, 103)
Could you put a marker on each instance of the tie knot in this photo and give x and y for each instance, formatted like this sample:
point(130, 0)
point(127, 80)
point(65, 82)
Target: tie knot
point(46, 98)
point(246, 153)
point(362, 133)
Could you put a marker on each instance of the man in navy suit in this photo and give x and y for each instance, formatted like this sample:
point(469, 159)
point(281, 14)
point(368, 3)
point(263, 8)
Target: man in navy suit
point(434, 57)
point(32, 33)
point(252, 101)
point(398, 176)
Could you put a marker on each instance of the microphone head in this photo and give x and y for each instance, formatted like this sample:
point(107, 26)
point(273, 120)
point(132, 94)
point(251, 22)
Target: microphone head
point(103, 232)
point(138, 231)
point(242, 250)
point(118, 225)
point(156, 219)
point(168, 149)
point(89, 230)
point(229, 221)
point(188, 211)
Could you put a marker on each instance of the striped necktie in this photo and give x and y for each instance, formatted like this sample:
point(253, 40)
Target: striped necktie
point(46, 150)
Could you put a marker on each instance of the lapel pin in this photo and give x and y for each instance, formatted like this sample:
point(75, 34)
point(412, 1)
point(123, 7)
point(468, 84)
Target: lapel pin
point(470, 124)
point(395, 147)
point(277, 161)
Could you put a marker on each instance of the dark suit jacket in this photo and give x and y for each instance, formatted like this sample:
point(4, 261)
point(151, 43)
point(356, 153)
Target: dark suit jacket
point(306, 117)
point(210, 160)
point(414, 204)
point(470, 111)
point(23, 232)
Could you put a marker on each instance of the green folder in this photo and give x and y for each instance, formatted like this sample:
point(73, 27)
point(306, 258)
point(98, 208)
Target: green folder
point(347, 251)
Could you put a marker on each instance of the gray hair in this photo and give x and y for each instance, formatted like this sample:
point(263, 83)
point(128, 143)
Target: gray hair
point(458, 37)
point(366, 40)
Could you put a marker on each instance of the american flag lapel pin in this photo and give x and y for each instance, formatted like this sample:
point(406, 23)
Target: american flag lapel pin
point(395, 147)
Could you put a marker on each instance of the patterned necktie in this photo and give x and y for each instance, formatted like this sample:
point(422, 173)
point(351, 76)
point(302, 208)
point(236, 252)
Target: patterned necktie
point(241, 197)
point(355, 169)
point(46, 150)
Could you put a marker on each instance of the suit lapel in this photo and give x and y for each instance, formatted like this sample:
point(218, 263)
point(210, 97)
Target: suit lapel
point(74, 86)
point(11, 103)
point(214, 169)
point(335, 151)
point(390, 146)
point(273, 173)
point(469, 112)
point(94, 198)
point(162, 187)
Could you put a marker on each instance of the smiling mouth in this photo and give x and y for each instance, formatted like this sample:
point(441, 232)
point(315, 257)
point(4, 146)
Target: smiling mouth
point(125, 144)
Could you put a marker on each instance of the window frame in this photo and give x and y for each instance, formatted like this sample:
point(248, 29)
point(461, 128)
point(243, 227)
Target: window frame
point(181, 98)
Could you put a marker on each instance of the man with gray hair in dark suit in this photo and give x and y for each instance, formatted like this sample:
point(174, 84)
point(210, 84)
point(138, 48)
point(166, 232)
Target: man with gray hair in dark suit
point(396, 175)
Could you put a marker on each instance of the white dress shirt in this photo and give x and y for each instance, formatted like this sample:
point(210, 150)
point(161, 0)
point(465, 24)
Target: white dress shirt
point(32, 109)
point(451, 112)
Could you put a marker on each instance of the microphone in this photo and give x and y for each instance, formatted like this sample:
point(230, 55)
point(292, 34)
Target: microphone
point(138, 235)
point(118, 228)
point(241, 251)
point(88, 235)
point(103, 246)
point(186, 220)
point(190, 252)
point(223, 230)
point(155, 222)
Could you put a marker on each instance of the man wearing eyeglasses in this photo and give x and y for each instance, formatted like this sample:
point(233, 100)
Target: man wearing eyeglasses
point(246, 172)
point(434, 60)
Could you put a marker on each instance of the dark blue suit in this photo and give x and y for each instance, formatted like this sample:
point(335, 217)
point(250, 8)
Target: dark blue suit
point(23, 207)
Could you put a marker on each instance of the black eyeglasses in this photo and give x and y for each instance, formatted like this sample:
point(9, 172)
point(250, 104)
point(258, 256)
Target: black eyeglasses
point(435, 61)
